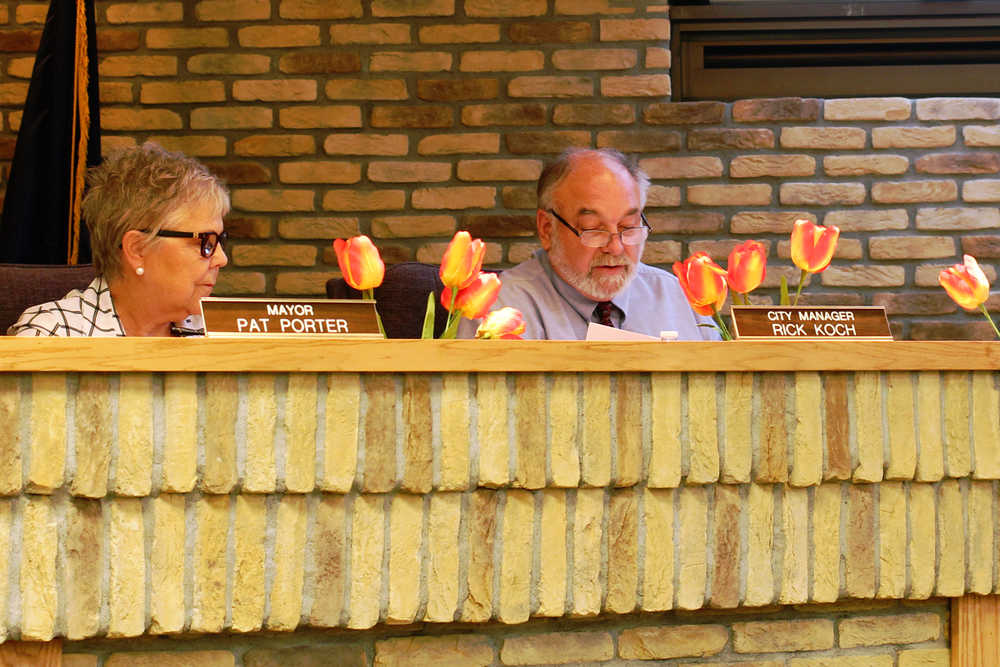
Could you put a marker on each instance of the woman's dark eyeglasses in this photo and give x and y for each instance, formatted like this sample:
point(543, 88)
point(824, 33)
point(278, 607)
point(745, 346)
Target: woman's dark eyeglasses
point(598, 238)
point(209, 240)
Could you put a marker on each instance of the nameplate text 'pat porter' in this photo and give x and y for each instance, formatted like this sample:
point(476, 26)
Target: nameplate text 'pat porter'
point(338, 318)
point(811, 323)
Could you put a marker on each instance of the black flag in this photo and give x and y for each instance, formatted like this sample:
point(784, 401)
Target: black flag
point(60, 136)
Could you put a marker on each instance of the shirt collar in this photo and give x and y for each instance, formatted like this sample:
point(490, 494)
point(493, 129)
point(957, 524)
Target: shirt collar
point(105, 304)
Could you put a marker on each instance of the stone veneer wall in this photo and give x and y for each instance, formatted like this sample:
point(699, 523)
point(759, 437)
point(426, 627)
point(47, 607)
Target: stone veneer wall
point(409, 119)
point(831, 507)
point(853, 634)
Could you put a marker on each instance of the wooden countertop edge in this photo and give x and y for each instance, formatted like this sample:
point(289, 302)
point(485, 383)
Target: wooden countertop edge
point(436, 356)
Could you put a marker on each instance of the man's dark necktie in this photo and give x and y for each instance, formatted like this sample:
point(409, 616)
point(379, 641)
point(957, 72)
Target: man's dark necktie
point(603, 313)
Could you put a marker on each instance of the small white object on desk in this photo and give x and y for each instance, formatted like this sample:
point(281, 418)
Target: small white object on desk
point(668, 335)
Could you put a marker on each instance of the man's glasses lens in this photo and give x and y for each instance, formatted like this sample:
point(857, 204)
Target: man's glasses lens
point(598, 238)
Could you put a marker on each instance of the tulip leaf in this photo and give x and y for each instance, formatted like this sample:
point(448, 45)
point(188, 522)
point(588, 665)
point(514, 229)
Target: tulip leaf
point(428, 330)
point(784, 292)
point(452, 330)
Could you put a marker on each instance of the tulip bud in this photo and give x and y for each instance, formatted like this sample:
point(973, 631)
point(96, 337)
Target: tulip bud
point(747, 267)
point(360, 262)
point(703, 282)
point(813, 245)
point(462, 260)
point(476, 299)
point(966, 283)
point(506, 323)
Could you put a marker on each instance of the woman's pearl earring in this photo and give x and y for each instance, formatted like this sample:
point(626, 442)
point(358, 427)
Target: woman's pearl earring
point(139, 270)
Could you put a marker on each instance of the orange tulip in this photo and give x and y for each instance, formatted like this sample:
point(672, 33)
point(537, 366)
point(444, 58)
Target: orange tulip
point(966, 283)
point(360, 262)
point(747, 267)
point(474, 300)
point(506, 323)
point(703, 282)
point(813, 245)
point(462, 260)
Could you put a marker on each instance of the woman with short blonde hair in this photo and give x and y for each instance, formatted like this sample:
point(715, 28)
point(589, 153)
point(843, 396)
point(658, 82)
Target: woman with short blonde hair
point(157, 239)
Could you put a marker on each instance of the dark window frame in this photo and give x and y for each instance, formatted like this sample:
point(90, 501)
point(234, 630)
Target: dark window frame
point(815, 48)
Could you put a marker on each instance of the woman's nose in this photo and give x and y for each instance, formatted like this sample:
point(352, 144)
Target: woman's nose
point(219, 257)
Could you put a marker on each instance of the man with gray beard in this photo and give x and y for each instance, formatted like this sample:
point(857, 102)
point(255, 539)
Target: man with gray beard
point(593, 232)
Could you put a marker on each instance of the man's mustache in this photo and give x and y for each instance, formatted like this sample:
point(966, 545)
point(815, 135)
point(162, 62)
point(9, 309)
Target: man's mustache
point(610, 260)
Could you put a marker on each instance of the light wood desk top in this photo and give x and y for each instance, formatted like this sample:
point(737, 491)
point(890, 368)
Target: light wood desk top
point(417, 356)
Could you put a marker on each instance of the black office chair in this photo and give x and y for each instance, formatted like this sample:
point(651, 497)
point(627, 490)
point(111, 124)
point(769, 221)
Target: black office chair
point(24, 285)
point(401, 299)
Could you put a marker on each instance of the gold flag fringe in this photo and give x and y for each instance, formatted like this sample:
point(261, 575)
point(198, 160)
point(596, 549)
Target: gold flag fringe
point(80, 135)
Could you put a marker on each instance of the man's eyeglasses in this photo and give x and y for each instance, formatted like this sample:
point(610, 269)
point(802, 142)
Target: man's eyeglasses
point(209, 240)
point(598, 238)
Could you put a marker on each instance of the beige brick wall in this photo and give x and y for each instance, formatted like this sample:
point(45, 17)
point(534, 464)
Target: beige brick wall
point(94, 435)
point(177, 502)
point(409, 120)
point(859, 634)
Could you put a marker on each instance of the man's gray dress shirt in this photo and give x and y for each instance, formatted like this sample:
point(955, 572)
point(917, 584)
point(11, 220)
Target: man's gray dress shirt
point(554, 310)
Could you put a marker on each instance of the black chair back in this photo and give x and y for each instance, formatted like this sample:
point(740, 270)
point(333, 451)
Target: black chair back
point(401, 298)
point(25, 285)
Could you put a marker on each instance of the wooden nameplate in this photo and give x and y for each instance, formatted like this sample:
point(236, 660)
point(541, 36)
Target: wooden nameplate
point(328, 318)
point(810, 323)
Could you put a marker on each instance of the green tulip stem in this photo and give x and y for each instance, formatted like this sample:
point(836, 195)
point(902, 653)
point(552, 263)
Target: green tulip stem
point(798, 290)
point(990, 319)
point(721, 324)
point(370, 294)
point(451, 327)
